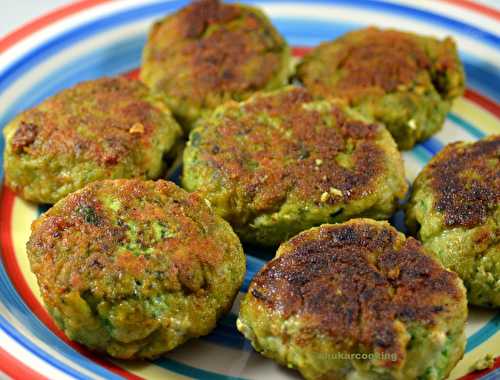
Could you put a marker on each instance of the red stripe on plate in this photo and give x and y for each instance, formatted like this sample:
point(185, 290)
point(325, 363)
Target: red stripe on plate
point(14, 271)
point(476, 7)
point(300, 51)
point(483, 101)
point(16, 369)
point(43, 21)
point(478, 374)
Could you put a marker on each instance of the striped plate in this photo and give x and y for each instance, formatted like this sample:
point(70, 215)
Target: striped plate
point(93, 38)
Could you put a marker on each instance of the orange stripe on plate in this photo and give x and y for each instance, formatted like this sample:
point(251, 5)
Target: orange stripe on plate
point(12, 267)
point(43, 21)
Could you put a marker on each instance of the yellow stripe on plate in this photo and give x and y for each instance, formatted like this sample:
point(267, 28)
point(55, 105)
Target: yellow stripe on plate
point(488, 347)
point(23, 214)
point(476, 115)
point(149, 370)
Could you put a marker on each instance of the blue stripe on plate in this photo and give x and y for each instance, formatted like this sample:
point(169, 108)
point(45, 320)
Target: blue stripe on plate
point(226, 334)
point(254, 264)
point(303, 32)
point(481, 75)
point(468, 127)
point(12, 332)
point(99, 63)
point(195, 373)
point(422, 154)
point(75, 35)
point(432, 145)
point(402, 10)
point(484, 333)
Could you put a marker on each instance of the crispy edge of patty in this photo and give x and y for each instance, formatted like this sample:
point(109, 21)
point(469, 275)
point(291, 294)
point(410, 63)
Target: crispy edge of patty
point(464, 180)
point(307, 316)
point(216, 162)
point(81, 289)
point(454, 209)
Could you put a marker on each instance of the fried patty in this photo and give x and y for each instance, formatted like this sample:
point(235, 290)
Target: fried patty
point(208, 53)
point(403, 80)
point(337, 292)
point(135, 268)
point(280, 163)
point(455, 209)
point(106, 128)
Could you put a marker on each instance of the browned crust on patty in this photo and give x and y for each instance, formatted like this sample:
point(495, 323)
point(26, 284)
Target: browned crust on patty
point(24, 136)
point(199, 15)
point(465, 180)
point(80, 244)
point(373, 60)
point(298, 158)
point(92, 121)
point(351, 282)
point(209, 48)
point(384, 59)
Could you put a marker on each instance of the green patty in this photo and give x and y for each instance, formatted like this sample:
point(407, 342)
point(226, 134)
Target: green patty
point(208, 53)
point(107, 128)
point(356, 301)
point(403, 80)
point(455, 209)
point(280, 163)
point(135, 268)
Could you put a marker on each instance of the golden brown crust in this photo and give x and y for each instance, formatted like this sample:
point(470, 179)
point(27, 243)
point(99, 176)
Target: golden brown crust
point(298, 158)
point(465, 180)
point(199, 15)
point(93, 121)
point(373, 60)
point(24, 136)
point(353, 281)
point(210, 49)
point(385, 59)
point(81, 244)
